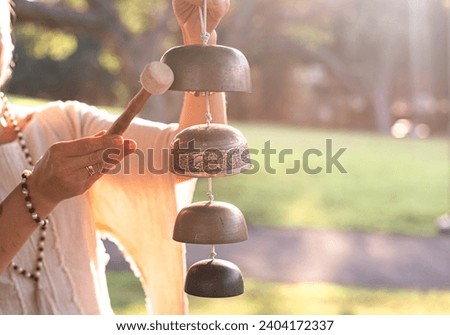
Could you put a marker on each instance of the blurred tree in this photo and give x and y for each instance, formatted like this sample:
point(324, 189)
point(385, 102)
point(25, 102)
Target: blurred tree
point(363, 45)
point(371, 45)
point(276, 36)
point(136, 31)
point(55, 74)
point(387, 47)
point(133, 30)
point(129, 34)
point(358, 42)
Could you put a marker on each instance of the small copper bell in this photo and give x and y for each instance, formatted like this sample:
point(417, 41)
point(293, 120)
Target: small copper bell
point(213, 222)
point(208, 68)
point(205, 151)
point(214, 278)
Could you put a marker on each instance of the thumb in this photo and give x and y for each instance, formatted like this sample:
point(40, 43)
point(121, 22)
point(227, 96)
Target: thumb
point(100, 133)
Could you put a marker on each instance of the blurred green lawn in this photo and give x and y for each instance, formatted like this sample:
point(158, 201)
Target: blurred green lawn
point(391, 185)
point(291, 299)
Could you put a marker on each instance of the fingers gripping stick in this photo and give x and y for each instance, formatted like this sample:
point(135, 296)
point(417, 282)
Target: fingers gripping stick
point(156, 78)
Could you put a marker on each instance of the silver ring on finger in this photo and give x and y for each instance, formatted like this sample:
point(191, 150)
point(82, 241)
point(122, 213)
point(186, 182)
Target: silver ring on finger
point(90, 170)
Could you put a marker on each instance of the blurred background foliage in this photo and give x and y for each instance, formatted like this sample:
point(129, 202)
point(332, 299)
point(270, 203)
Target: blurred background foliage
point(352, 64)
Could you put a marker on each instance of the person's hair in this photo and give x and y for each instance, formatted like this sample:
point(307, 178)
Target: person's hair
point(6, 44)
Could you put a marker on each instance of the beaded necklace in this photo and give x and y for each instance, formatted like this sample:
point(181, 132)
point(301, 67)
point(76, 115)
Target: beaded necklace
point(10, 118)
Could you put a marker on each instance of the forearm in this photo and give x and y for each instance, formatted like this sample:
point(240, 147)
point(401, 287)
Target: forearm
point(16, 224)
point(195, 107)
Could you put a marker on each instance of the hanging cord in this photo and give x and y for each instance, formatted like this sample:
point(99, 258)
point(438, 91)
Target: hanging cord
point(208, 112)
point(213, 253)
point(203, 14)
point(210, 192)
point(205, 38)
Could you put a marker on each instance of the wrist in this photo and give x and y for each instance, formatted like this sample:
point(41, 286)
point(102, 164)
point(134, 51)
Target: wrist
point(42, 202)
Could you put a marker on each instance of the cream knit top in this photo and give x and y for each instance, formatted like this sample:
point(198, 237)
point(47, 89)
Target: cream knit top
point(134, 207)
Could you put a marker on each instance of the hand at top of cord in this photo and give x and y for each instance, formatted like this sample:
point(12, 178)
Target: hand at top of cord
point(188, 17)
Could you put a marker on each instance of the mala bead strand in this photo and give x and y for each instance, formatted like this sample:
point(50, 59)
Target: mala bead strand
point(22, 142)
point(26, 192)
point(17, 129)
point(40, 259)
point(28, 203)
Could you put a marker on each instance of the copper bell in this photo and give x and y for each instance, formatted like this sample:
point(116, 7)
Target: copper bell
point(205, 151)
point(214, 278)
point(208, 68)
point(213, 222)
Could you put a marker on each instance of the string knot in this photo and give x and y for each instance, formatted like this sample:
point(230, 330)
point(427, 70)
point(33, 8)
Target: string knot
point(205, 37)
point(203, 14)
point(210, 191)
point(213, 253)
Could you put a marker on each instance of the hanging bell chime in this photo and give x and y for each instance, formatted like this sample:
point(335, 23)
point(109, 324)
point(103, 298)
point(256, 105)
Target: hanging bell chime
point(214, 278)
point(208, 68)
point(207, 151)
point(208, 222)
point(204, 151)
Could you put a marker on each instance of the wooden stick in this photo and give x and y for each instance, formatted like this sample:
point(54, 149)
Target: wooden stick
point(156, 78)
point(134, 107)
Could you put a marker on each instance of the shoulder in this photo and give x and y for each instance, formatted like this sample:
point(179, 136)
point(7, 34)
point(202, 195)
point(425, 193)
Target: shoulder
point(66, 109)
point(67, 118)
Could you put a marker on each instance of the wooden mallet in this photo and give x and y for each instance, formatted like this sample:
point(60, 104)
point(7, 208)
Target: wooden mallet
point(156, 78)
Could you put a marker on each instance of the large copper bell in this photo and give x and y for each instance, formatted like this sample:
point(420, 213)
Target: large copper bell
point(208, 68)
point(207, 151)
point(213, 222)
point(214, 278)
